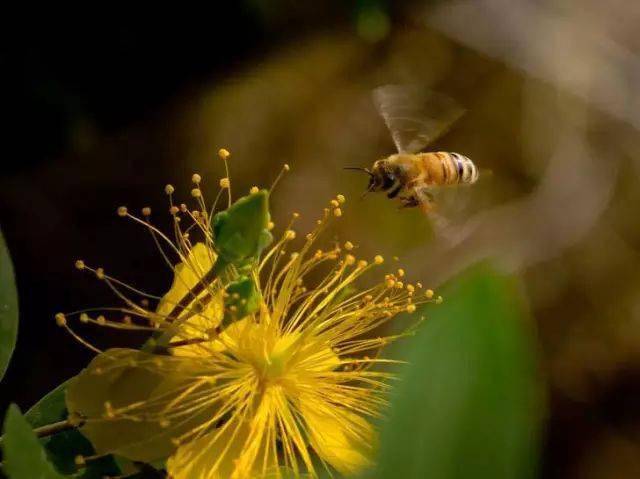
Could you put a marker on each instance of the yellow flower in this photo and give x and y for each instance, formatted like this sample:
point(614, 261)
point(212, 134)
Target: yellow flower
point(292, 386)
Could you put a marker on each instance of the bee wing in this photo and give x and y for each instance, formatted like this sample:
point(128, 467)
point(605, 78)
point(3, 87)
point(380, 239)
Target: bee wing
point(415, 115)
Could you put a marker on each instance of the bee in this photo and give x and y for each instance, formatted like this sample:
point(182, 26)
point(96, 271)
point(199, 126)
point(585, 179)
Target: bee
point(415, 117)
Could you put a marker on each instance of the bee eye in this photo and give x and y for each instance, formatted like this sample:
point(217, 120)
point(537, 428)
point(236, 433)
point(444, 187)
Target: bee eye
point(388, 181)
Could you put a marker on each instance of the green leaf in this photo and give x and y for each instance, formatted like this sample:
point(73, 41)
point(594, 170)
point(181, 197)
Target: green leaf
point(241, 231)
point(8, 308)
point(468, 404)
point(63, 447)
point(243, 299)
point(24, 457)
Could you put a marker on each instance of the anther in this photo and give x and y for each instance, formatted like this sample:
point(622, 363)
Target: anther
point(349, 259)
point(146, 211)
point(79, 460)
point(410, 288)
point(411, 308)
point(296, 215)
point(183, 207)
point(289, 235)
point(400, 273)
point(429, 293)
point(196, 193)
point(174, 210)
point(253, 190)
point(378, 259)
point(334, 203)
point(286, 167)
point(122, 211)
point(169, 189)
point(196, 178)
point(337, 212)
point(439, 300)
point(362, 263)
point(61, 319)
point(390, 283)
point(271, 225)
point(341, 199)
point(84, 318)
point(224, 183)
point(101, 320)
point(223, 154)
point(348, 246)
point(100, 273)
point(79, 264)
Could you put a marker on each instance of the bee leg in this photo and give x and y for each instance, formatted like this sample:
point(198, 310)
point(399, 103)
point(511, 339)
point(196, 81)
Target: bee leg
point(409, 202)
point(424, 199)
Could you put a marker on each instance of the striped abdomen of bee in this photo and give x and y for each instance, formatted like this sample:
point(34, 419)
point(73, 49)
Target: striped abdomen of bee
point(445, 168)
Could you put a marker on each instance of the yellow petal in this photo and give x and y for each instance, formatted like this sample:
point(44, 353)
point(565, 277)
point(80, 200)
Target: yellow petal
point(212, 456)
point(210, 308)
point(122, 377)
point(340, 437)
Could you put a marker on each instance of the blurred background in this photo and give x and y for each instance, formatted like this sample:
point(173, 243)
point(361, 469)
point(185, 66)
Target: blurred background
point(101, 112)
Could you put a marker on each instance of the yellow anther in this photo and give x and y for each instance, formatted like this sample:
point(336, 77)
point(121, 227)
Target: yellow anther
point(410, 288)
point(169, 189)
point(74, 419)
point(79, 264)
point(174, 210)
point(335, 203)
point(196, 193)
point(296, 215)
point(196, 178)
point(195, 214)
point(439, 300)
point(61, 319)
point(84, 318)
point(400, 273)
point(341, 199)
point(100, 273)
point(337, 212)
point(79, 460)
point(223, 154)
point(349, 259)
point(390, 283)
point(429, 293)
point(271, 225)
point(289, 234)
point(378, 259)
point(348, 246)
point(295, 255)
point(253, 190)
point(399, 284)
point(108, 410)
point(122, 211)
point(286, 167)
point(411, 308)
point(101, 320)
point(225, 183)
point(146, 211)
point(362, 263)
point(308, 236)
point(419, 285)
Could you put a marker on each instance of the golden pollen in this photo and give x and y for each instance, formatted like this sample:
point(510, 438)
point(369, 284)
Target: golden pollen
point(378, 259)
point(337, 212)
point(61, 319)
point(348, 246)
point(286, 167)
point(169, 189)
point(122, 211)
point(225, 183)
point(290, 234)
point(341, 199)
point(254, 190)
point(79, 264)
point(196, 178)
point(196, 193)
point(429, 293)
point(146, 211)
point(223, 154)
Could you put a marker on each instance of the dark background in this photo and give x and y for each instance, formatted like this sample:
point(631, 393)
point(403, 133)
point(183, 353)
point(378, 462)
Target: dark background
point(103, 109)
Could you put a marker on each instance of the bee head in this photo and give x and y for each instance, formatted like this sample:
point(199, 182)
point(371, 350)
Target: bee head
point(382, 177)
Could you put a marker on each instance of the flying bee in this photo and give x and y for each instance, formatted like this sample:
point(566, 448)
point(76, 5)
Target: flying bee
point(416, 117)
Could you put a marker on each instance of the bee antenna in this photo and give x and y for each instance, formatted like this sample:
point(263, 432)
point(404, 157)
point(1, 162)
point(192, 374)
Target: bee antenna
point(357, 168)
